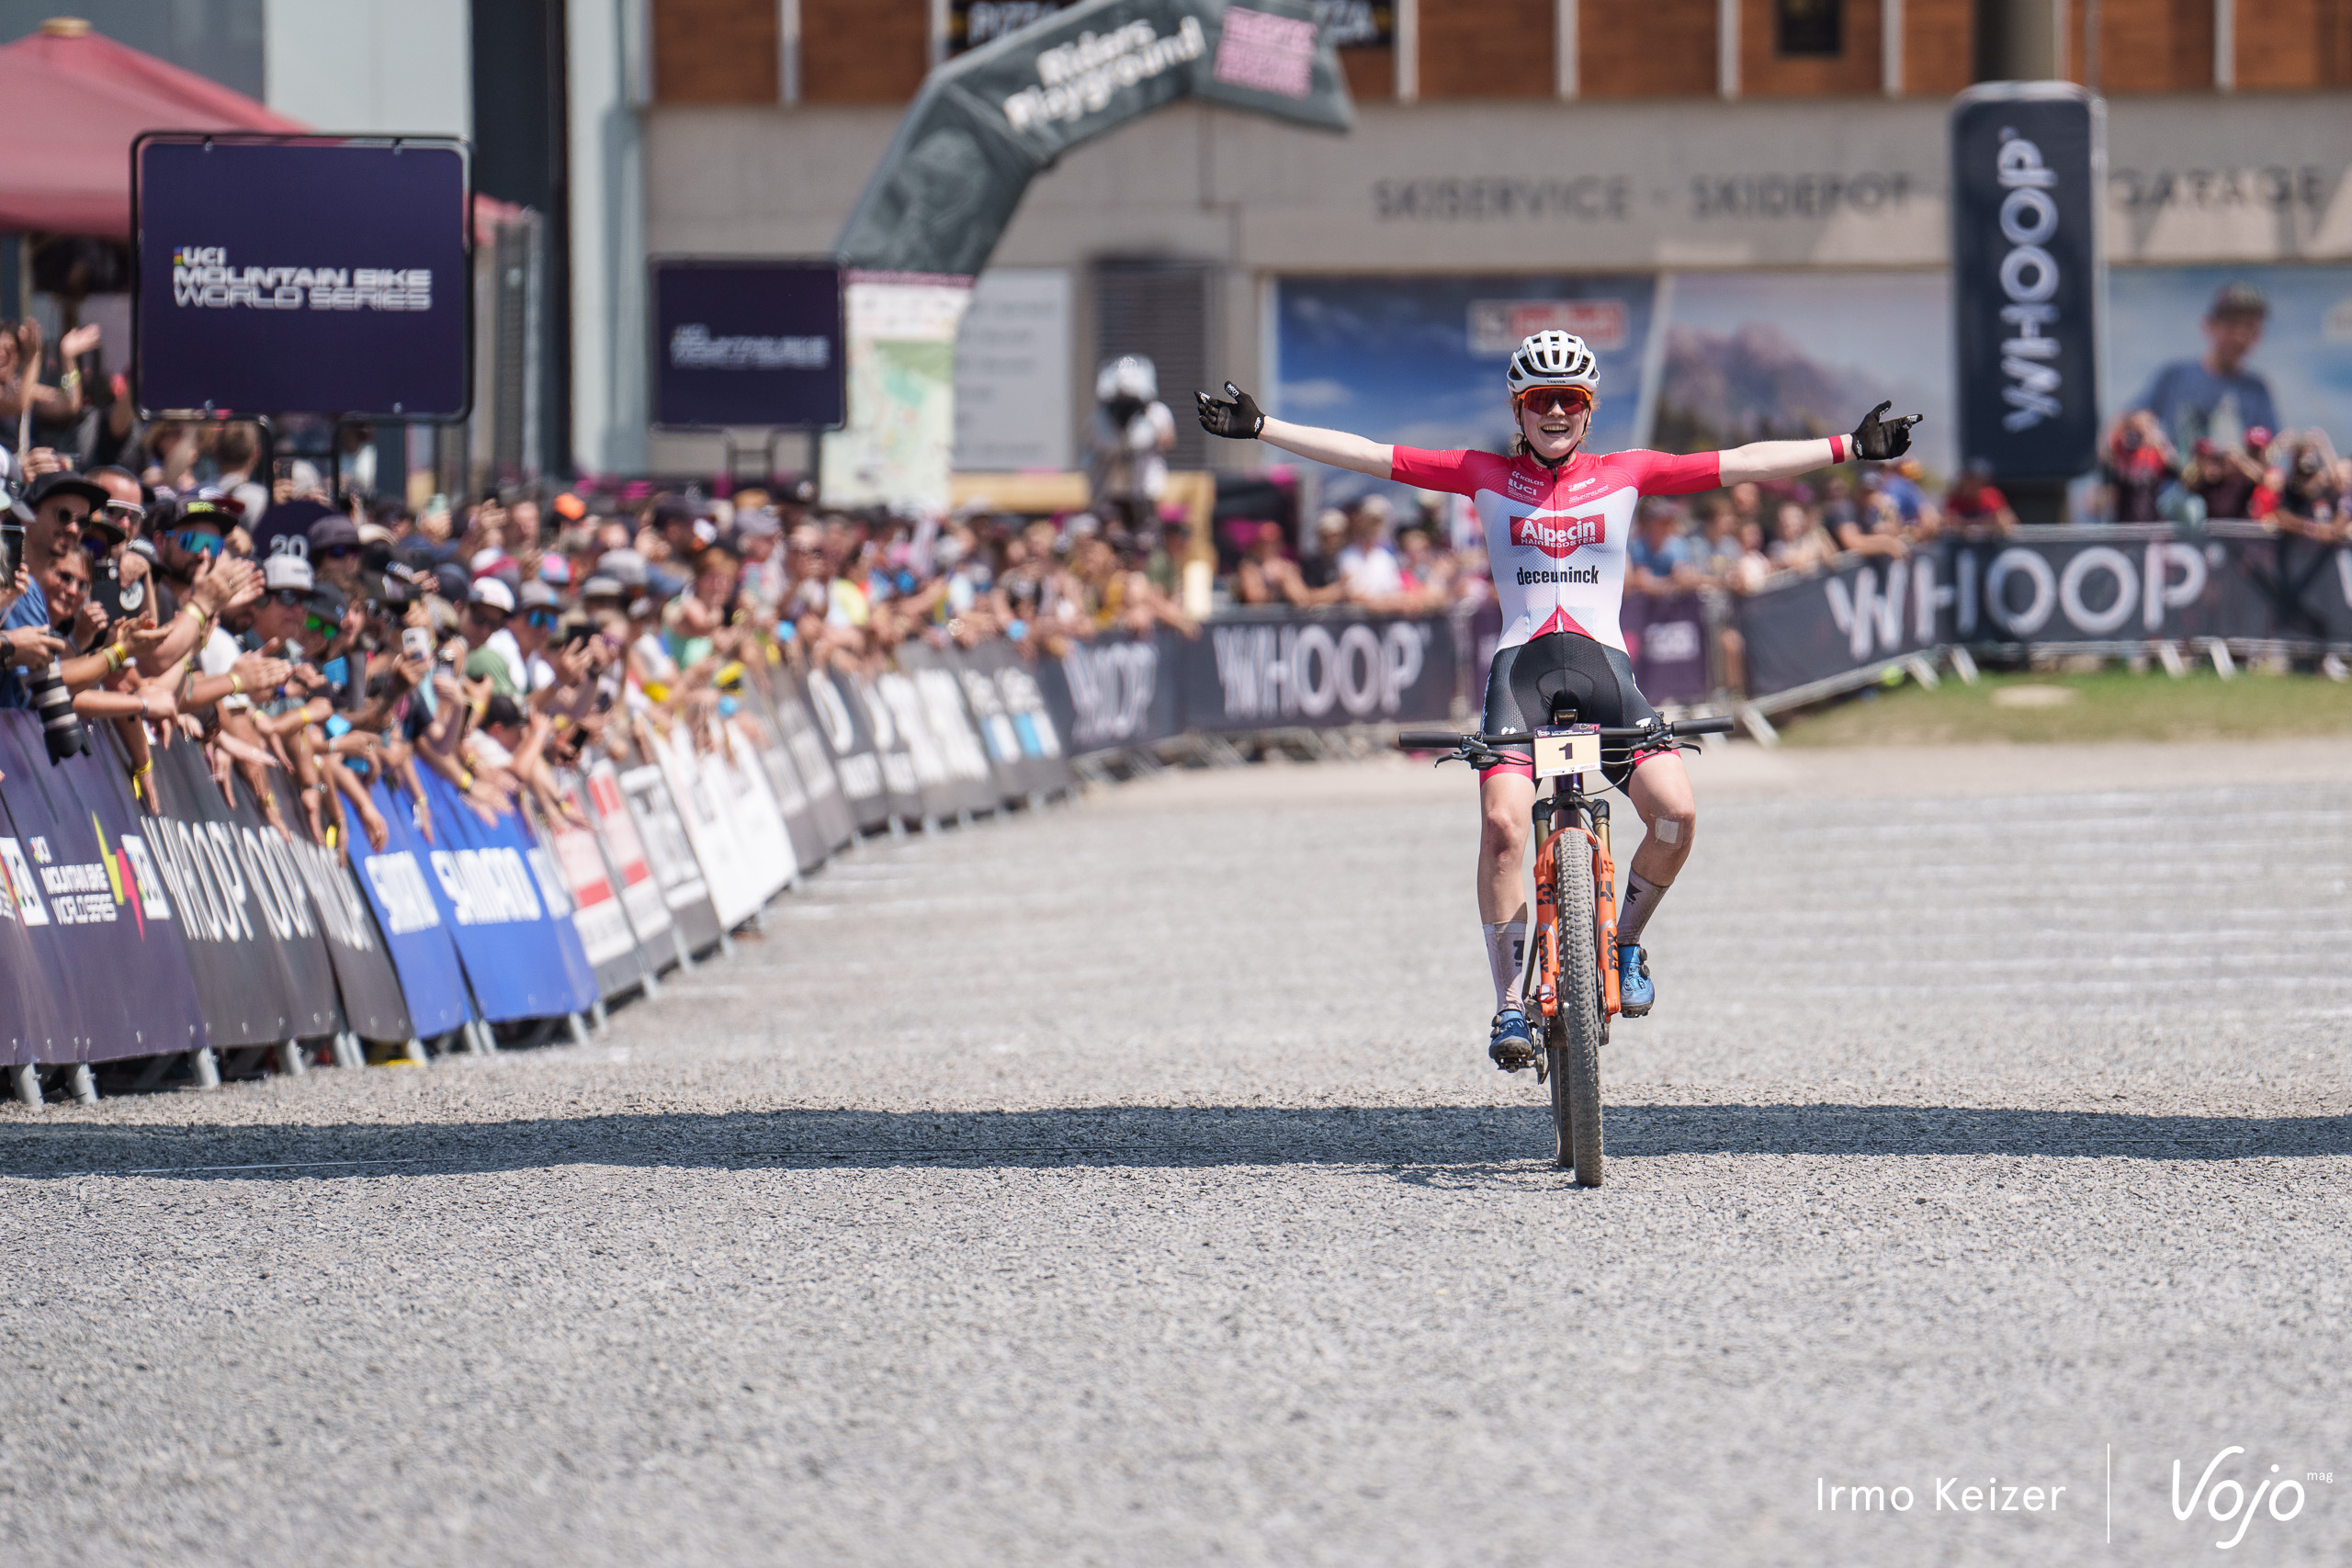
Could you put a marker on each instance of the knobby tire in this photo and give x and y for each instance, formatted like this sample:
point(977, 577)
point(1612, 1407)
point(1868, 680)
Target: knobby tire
point(1572, 1042)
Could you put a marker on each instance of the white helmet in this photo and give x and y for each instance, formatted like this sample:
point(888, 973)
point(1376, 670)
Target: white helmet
point(1129, 376)
point(1552, 359)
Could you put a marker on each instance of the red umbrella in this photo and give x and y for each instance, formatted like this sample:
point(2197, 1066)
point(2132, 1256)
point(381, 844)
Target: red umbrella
point(73, 101)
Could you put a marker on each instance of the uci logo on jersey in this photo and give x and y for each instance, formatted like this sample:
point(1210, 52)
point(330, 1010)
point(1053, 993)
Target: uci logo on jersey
point(1523, 485)
point(1557, 537)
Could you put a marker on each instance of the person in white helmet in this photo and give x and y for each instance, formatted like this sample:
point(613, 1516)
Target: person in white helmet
point(1131, 436)
point(1556, 520)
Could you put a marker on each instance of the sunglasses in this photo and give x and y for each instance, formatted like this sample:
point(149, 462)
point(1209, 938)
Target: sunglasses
point(1557, 400)
point(289, 597)
point(323, 627)
point(196, 543)
point(339, 552)
point(543, 619)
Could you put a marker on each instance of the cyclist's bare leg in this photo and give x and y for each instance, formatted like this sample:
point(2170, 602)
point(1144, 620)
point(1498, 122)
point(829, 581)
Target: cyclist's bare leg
point(1503, 803)
point(1660, 790)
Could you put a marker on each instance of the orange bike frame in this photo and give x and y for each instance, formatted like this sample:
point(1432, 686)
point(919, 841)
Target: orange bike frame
point(1547, 923)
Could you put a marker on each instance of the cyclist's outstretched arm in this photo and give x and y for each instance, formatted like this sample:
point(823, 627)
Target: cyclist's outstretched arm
point(1781, 459)
point(1336, 447)
point(1874, 440)
point(1240, 418)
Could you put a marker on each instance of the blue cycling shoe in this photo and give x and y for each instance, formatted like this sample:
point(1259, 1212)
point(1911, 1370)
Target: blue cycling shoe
point(1635, 992)
point(1508, 1042)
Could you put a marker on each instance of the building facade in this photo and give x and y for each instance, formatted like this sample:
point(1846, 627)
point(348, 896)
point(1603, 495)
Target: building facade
point(1742, 201)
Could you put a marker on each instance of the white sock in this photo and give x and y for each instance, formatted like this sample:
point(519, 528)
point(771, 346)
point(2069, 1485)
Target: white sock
point(1641, 901)
point(1506, 958)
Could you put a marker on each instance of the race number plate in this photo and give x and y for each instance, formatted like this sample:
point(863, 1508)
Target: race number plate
point(1576, 750)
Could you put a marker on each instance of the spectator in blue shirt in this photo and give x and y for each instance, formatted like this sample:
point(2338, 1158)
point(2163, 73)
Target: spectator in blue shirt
point(2216, 399)
point(1657, 558)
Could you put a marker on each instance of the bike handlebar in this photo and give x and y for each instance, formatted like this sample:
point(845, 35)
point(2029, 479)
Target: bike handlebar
point(1448, 740)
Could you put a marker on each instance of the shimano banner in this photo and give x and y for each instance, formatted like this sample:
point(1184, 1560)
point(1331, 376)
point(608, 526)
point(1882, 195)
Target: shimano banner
point(301, 275)
point(505, 907)
point(749, 343)
point(397, 882)
point(988, 122)
point(2028, 165)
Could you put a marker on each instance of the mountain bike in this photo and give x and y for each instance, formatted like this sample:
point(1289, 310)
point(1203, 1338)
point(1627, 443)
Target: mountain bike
point(1570, 981)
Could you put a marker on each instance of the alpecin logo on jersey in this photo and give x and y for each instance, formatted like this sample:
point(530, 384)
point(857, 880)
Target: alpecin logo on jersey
point(1558, 536)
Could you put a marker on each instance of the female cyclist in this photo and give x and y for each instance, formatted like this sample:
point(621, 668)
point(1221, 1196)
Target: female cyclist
point(1557, 519)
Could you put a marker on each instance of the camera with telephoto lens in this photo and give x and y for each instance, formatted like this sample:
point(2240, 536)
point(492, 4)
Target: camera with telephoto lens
point(60, 725)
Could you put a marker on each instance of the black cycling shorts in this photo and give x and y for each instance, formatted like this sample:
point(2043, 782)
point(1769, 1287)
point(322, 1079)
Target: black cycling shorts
point(1598, 681)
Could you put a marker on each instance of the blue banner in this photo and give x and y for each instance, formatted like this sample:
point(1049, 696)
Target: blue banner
point(399, 885)
point(506, 909)
point(302, 276)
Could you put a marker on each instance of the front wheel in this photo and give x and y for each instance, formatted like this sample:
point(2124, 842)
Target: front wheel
point(1572, 1042)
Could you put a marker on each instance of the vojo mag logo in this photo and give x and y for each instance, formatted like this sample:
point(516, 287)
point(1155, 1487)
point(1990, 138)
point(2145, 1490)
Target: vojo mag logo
point(1556, 536)
point(2233, 1502)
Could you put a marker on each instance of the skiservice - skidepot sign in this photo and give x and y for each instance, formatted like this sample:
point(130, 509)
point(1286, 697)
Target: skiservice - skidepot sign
point(986, 123)
point(301, 275)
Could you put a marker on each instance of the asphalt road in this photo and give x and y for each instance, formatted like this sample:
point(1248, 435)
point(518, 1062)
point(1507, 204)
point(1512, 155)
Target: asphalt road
point(1128, 1185)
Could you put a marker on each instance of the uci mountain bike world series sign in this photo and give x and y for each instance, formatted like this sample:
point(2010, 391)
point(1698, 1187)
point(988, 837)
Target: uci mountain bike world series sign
point(301, 275)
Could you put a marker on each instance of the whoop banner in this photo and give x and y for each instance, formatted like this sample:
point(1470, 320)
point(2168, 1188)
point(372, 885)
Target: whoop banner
point(261, 965)
point(303, 275)
point(2028, 165)
point(2049, 586)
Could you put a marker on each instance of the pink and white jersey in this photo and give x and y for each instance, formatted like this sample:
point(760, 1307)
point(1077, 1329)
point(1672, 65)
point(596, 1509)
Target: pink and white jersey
point(1556, 540)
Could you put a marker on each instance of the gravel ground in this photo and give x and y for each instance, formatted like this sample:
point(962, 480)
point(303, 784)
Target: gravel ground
point(1128, 1184)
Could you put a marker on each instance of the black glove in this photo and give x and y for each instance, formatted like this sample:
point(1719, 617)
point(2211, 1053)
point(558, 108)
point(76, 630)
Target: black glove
point(1875, 441)
point(1238, 419)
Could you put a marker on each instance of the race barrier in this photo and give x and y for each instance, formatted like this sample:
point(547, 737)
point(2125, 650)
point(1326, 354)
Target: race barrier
point(2114, 590)
point(220, 929)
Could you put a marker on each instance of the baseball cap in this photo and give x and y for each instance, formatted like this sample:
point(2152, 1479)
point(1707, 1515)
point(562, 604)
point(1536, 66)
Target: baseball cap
point(63, 482)
point(333, 529)
point(537, 595)
point(287, 571)
point(209, 507)
point(554, 568)
point(570, 507)
point(450, 581)
point(624, 567)
point(490, 590)
point(327, 602)
point(599, 586)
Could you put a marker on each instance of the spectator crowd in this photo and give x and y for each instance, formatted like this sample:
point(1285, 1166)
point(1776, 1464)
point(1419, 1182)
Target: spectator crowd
point(170, 580)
